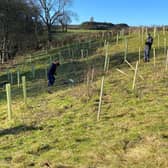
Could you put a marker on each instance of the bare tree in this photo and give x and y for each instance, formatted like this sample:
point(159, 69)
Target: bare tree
point(18, 27)
point(66, 19)
point(51, 10)
point(92, 19)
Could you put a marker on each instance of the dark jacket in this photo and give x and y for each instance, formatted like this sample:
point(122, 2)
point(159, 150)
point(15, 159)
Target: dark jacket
point(149, 42)
point(52, 69)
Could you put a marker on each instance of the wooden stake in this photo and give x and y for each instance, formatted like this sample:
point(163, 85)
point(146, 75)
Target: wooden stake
point(167, 61)
point(135, 74)
point(106, 58)
point(164, 32)
point(100, 99)
point(165, 46)
point(122, 72)
point(154, 32)
point(117, 39)
point(139, 54)
point(158, 41)
point(142, 35)
point(108, 63)
point(126, 49)
point(134, 69)
point(154, 56)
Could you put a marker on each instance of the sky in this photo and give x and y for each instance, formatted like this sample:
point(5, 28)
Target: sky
point(132, 12)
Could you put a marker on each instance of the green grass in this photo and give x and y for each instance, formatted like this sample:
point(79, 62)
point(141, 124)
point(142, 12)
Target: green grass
point(61, 129)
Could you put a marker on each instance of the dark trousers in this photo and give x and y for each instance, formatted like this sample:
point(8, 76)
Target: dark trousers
point(51, 80)
point(147, 54)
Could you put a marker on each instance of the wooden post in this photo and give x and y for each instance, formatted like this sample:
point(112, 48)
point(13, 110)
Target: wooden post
point(134, 69)
point(126, 49)
point(158, 41)
point(154, 56)
point(117, 39)
point(142, 35)
point(24, 89)
point(9, 104)
point(135, 74)
point(164, 32)
point(122, 72)
point(106, 57)
point(154, 32)
point(108, 63)
point(165, 46)
point(87, 83)
point(167, 61)
point(139, 54)
point(100, 99)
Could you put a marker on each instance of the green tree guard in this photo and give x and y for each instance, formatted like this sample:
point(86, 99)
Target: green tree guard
point(33, 71)
point(18, 78)
point(9, 104)
point(11, 78)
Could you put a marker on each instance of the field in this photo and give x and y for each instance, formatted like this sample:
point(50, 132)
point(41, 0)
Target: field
point(61, 130)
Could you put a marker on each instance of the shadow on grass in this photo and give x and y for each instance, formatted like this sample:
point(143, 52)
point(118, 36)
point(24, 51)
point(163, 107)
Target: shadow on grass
point(18, 129)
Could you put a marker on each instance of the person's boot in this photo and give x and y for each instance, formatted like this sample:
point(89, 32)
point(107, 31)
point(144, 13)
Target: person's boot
point(49, 91)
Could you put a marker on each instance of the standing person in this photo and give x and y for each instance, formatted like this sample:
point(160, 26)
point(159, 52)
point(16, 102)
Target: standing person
point(148, 46)
point(51, 74)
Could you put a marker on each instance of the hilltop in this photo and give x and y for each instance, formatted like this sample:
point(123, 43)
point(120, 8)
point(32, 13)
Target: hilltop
point(88, 25)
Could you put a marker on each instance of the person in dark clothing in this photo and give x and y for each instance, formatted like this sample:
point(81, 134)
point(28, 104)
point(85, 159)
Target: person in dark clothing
point(51, 74)
point(148, 46)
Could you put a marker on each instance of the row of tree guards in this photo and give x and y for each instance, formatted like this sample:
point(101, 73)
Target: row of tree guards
point(85, 53)
point(135, 69)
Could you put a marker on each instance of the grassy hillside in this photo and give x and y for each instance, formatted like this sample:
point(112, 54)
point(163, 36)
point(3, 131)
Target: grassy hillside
point(60, 130)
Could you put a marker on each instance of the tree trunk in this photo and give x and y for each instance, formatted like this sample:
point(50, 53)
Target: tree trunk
point(49, 32)
point(49, 36)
